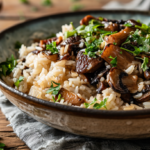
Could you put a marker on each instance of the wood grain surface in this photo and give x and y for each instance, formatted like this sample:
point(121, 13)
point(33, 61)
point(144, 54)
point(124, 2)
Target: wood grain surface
point(14, 12)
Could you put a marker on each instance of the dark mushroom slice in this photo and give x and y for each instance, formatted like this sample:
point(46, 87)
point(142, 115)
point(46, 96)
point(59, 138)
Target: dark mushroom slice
point(130, 82)
point(114, 79)
point(36, 52)
point(119, 37)
point(71, 97)
point(85, 64)
point(74, 44)
point(102, 86)
point(110, 26)
point(145, 97)
point(124, 58)
point(147, 74)
point(122, 82)
point(50, 56)
point(98, 74)
point(47, 54)
point(127, 97)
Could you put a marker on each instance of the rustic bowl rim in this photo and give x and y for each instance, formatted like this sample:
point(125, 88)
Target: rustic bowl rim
point(104, 113)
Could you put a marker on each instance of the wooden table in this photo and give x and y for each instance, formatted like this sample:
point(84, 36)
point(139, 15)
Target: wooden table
point(14, 12)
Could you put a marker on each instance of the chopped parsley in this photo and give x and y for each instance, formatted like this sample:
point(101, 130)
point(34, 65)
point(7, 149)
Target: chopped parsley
point(59, 97)
point(101, 18)
point(101, 104)
point(114, 61)
point(54, 90)
point(2, 146)
point(52, 47)
point(145, 63)
point(145, 28)
point(135, 52)
point(18, 81)
point(89, 104)
point(69, 33)
point(114, 43)
point(46, 3)
point(7, 66)
point(120, 52)
point(17, 45)
point(128, 24)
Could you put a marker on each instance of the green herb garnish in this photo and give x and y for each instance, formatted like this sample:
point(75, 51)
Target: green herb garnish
point(128, 24)
point(59, 97)
point(77, 7)
point(120, 52)
point(46, 3)
point(54, 90)
point(145, 63)
point(114, 61)
point(144, 28)
point(18, 81)
point(101, 18)
point(88, 104)
point(7, 66)
point(69, 33)
point(114, 43)
point(52, 47)
point(2, 146)
point(24, 1)
point(17, 45)
point(101, 104)
point(135, 52)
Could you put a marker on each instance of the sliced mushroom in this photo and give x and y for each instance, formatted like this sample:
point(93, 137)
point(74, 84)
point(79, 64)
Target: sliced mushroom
point(127, 97)
point(145, 97)
point(122, 82)
point(71, 97)
point(114, 79)
point(124, 59)
point(85, 64)
point(119, 37)
point(86, 19)
point(98, 74)
point(147, 74)
point(101, 86)
point(110, 26)
point(50, 56)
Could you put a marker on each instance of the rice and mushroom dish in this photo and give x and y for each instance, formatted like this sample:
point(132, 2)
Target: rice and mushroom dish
point(101, 64)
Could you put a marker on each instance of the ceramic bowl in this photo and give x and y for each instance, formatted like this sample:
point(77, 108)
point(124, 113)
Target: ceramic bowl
point(81, 121)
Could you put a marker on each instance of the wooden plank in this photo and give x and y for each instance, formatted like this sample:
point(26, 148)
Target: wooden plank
point(15, 8)
point(8, 137)
point(4, 123)
point(4, 24)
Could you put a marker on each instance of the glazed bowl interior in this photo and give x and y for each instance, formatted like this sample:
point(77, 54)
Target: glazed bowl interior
point(43, 27)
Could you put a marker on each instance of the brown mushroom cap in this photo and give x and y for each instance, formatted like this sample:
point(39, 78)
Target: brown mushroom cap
point(121, 82)
point(71, 97)
point(119, 37)
point(85, 64)
point(124, 59)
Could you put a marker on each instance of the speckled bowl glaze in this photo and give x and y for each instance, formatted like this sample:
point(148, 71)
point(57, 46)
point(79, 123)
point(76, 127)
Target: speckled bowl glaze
point(87, 122)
